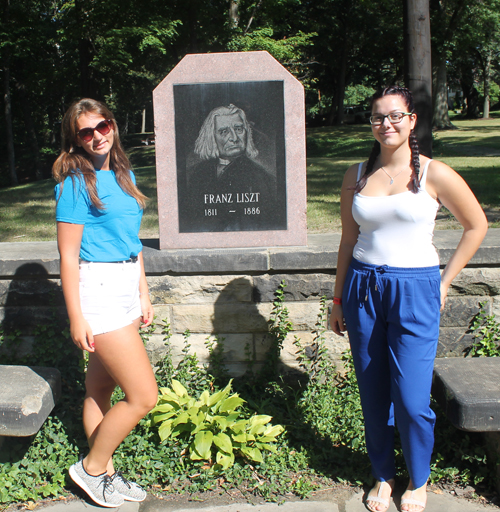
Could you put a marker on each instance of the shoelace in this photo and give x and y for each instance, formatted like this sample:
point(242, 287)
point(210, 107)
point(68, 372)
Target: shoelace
point(119, 474)
point(107, 486)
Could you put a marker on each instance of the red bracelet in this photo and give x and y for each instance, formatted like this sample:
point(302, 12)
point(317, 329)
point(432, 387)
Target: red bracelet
point(337, 301)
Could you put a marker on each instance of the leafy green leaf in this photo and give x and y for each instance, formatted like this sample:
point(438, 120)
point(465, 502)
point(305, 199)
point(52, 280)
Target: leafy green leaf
point(178, 388)
point(203, 442)
point(223, 442)
point(252, 453)
point(231, 403)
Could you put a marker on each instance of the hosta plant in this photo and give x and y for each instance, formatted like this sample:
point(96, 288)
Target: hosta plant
point(212, 425)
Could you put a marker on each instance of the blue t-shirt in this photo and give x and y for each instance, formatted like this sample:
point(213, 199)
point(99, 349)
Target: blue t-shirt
point(111, 234)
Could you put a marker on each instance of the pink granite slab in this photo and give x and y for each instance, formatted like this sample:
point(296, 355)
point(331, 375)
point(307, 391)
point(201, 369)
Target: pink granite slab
point(221, 68)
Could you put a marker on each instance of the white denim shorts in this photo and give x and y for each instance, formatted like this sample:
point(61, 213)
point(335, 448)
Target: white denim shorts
point(109, 294)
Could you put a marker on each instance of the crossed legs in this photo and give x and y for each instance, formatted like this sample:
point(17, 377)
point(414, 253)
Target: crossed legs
point(120, 359)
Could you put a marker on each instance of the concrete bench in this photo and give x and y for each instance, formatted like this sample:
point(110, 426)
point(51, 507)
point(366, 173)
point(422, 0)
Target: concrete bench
point(27, 396)
point(468, 390)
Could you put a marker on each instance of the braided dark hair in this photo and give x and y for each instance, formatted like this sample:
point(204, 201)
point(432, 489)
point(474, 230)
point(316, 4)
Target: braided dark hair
point(407, 97)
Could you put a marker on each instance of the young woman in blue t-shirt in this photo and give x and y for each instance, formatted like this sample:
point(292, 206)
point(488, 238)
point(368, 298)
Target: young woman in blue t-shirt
point(98, 212)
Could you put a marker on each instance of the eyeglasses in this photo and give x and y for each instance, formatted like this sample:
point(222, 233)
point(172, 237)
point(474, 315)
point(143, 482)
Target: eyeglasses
point(104, 127)
point(394, 118)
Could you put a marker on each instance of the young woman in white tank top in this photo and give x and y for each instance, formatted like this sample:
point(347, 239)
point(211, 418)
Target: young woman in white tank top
point(388, 290)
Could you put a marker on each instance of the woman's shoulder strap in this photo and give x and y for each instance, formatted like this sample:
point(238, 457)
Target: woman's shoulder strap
point(423, 175)
point(360, 170)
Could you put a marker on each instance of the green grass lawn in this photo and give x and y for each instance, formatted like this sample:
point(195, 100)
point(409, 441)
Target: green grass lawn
point(473, 150)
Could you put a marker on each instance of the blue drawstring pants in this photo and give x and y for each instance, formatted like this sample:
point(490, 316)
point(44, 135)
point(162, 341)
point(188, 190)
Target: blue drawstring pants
point(392, 317)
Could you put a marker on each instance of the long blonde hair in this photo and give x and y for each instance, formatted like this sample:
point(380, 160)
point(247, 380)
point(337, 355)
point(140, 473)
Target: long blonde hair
point(75, 162)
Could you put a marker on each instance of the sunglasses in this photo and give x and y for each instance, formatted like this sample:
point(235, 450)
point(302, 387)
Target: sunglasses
point(104, 127)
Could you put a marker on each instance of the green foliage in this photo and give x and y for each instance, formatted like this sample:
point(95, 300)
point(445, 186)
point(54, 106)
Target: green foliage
point(212, 425)
point(358, 94)
point(486, 333)
point(459, 457)
point(290, 50)
point(279, 327)
point(205, 443)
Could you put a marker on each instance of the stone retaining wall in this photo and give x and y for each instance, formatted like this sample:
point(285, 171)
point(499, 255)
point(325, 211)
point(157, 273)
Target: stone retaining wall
point(230, 293)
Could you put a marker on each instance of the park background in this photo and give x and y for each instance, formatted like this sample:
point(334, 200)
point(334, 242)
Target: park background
point(54, 52)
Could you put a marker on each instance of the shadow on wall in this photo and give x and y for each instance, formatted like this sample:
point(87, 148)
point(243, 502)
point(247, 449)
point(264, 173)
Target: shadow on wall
point(244, 328)
point(33, 303)
point(273, 388)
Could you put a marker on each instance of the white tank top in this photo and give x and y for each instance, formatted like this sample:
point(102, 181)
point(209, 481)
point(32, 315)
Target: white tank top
point(396, 230)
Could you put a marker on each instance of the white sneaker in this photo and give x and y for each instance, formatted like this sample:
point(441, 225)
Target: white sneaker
point(99, 488)
point(130, 491)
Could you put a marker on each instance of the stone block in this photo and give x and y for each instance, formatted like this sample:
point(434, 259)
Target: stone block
point(467, 389)
point(453, 341)
point(27, 396)
point(163, 314)
point(205, 261)
point(495, 307)
point(155, 348)
point(476, 281)
point(200, 289)
point(459, 311)
point(29, 258)
point(299, 287)
point(234, 346)
point(235, 356)
point(304, 259)
point(303, 315)
point(334, 344)
point(18, 348)
point(214, 319)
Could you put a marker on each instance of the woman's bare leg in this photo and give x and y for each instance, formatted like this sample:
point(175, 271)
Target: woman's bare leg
point(99, 387)
point(123, 356)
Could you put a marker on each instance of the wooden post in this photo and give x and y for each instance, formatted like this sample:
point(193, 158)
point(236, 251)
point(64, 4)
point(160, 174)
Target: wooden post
point(418, 68)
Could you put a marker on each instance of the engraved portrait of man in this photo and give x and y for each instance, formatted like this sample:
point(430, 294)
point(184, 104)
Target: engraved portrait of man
point(230, 154)
point(228, 189)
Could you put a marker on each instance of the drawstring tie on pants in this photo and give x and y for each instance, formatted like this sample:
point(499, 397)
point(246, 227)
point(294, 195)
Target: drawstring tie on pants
point(372, 275)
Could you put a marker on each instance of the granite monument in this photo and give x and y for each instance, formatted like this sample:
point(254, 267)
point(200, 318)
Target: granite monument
point(230, 153)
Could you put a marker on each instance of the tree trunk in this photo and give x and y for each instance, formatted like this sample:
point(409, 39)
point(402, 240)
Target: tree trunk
point(88, 86)
point(486, 82)
point(341, 87)
point(441, 119)
point(8, 104)
point(418, 69)
point(30, 128)
point(470, 93)
point(143, 127)
point(234, 19)
point(336, 114)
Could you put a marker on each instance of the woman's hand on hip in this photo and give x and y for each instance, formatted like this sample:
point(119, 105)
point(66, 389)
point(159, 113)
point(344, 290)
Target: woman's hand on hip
point(337, 320)
point(82, 335)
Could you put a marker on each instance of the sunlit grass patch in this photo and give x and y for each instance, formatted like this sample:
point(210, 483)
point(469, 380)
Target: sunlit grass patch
point(473, 150)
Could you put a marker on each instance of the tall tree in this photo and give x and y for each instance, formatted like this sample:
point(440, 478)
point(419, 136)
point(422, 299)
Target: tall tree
point(6, 50)
point(447, 19)
point(418, 70)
